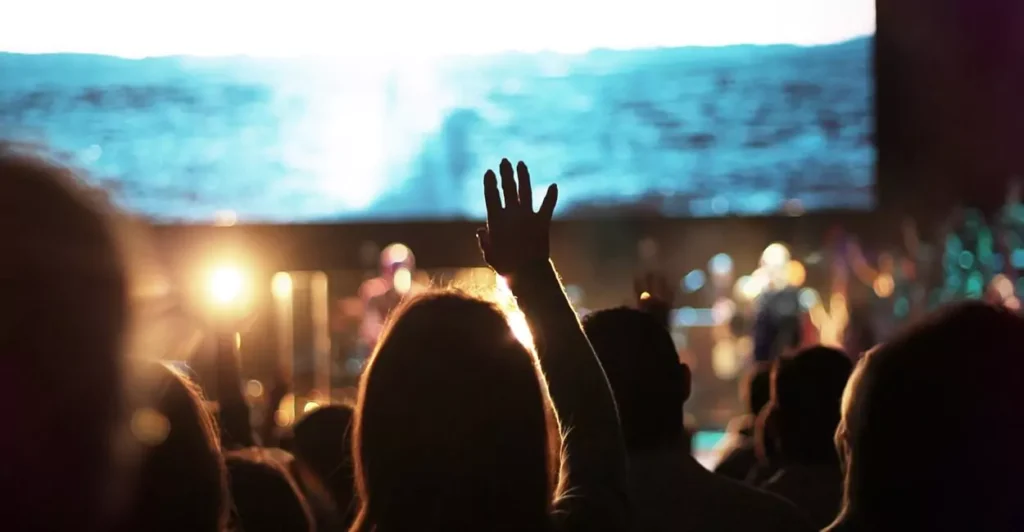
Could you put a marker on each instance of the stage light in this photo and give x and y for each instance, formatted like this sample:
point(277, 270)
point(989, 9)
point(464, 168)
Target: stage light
point(720, 264)
point(1003, 285)
point(884, 285)
point(775, 256)
point(396, 253)
point(750, 287)
point(694, 281)
point(809, 298)
point(796, 274)
point(254, 388)
point(402, 281)
point(226, 285)
point(281, 285)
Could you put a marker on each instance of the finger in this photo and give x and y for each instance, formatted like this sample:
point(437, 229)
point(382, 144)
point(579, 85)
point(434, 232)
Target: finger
point(525, 187)
point(508, 184)
point(547, 207)
point(492, 198)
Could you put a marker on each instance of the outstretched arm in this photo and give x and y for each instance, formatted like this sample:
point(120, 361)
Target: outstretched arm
point(516, 244)
point(236, 428)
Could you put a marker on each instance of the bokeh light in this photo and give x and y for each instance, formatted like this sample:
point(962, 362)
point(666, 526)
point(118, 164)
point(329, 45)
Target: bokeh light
point(796, 274)
point(254, 389)
point(775, 255)
point(227, 285)
point(281, 285)
point(720, 264)
point(402, 281)
point(884, 285)
point(694, 281)
point(150, 427)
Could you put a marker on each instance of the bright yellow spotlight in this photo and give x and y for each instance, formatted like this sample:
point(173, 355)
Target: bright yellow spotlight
point(226, 285)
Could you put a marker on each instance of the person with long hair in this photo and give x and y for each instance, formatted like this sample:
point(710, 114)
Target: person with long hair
point(64, 319)
point(457, 428)
point(931, 426)
point(182, 482)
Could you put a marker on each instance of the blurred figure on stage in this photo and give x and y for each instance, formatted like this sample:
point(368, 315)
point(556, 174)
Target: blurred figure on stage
point(779, 322)
point(384, 293)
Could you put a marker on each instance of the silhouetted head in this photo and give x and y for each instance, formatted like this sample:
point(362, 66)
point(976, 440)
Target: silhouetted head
point(649, 383)
point(182, 483)
point(266, 498)
point(323, 447)
point(63, 319)
point(453, 427)
point(804, 410)
point(932, 423)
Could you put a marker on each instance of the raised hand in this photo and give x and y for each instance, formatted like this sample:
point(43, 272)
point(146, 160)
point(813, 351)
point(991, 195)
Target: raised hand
point(515, 236)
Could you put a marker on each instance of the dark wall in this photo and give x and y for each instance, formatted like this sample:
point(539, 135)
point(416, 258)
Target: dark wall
point(950, 102)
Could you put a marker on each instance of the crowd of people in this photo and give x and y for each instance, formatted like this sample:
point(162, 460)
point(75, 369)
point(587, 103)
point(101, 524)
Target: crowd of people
point(459, 426)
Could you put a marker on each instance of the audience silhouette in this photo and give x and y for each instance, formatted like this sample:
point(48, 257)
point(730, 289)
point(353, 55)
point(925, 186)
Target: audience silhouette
point(802, 418)
point(323, 463)
point(670, 489)
point(182, 481)
point(931, 425)
point(266, 499)
point(64, 315)
point(459, 425)
point(741, 461)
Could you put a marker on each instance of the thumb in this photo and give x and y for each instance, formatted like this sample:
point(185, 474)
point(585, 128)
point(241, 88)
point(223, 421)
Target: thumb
point(483, 239)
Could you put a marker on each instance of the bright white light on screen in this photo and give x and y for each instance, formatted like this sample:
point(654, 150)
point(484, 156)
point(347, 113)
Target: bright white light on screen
point(409, 27)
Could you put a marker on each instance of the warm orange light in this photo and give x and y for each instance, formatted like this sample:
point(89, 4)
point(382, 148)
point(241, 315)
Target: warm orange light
point(796, 274)
point(884, 285)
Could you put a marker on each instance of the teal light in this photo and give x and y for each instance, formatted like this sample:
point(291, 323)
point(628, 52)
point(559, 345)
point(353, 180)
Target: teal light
point(975, 285)
point(966, 260)
point(901, 308)
point(953, 244)
point(985, 247)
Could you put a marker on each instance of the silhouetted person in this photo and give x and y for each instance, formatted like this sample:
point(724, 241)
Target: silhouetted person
point(63, 328)
point(740, 459)
point(266, 499)
point(182, 482)
point(931, 427)
point(802, 418)
point(670, 490)
point(323, 458)
point(778, 324)
point(454, 429)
